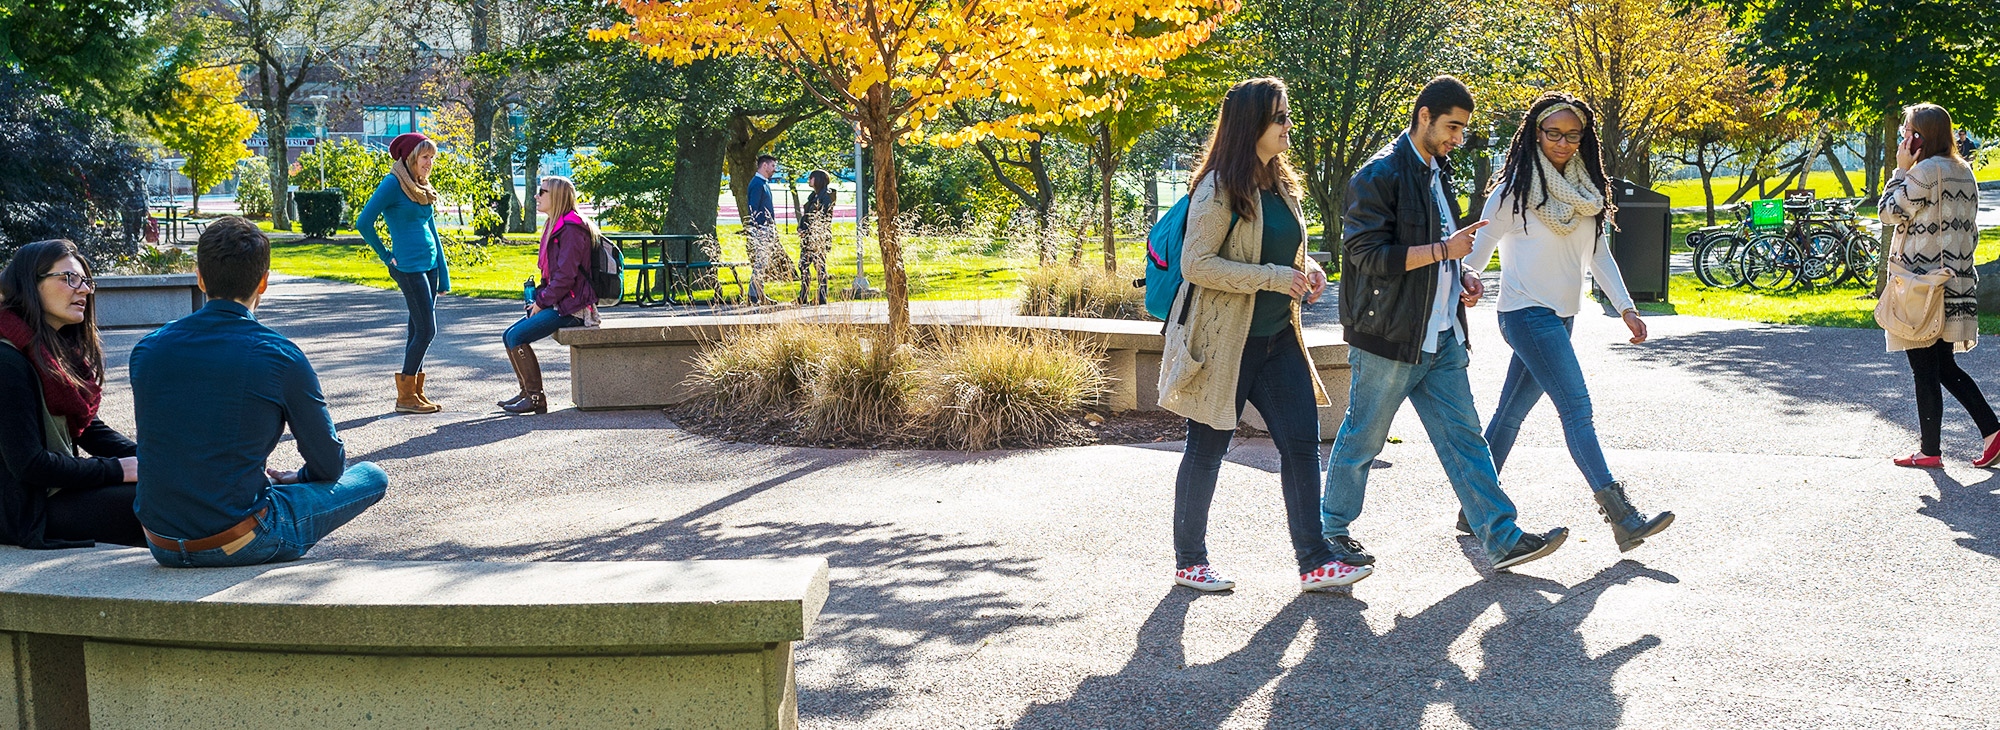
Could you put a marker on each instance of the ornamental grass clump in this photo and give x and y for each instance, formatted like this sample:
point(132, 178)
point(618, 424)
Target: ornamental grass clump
point(979, 389)
point(858, 389)
point(1081, 291)
point(763, 366)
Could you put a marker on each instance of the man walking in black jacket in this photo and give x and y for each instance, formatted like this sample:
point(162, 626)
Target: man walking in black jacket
point(1403, 294)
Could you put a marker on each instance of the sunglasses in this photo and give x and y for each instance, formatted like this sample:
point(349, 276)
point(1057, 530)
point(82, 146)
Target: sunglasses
point(541, 192)
point(75, 280)
point(1282, 118)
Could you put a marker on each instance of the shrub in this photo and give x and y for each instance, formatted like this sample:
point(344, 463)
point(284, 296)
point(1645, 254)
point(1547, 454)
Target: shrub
point(1081, 291)
point(760, 366)
point(156, 260)
point(253, 187)
point(349, 167)
point(66, 172)
point(978, 389)
point(859, 387)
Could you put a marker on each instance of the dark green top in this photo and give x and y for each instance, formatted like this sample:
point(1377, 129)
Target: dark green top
point(1282, 238)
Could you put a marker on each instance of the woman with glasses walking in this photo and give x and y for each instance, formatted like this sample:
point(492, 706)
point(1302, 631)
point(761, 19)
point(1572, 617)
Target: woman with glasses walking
point(1552, 213)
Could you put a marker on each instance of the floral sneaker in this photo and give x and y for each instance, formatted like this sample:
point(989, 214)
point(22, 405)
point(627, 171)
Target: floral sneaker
point(1202, 578)
point(1334, 573)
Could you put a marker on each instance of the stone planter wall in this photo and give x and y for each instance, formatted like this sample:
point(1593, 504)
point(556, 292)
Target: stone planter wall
point(147, 300)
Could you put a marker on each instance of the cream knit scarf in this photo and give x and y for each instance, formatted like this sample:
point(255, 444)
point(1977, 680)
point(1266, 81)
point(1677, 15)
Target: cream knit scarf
point(1571, 197)
point(419, 191)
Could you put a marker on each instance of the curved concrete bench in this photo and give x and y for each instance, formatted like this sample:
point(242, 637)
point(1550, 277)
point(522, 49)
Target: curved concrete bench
point(643, 362)
point(106, 638)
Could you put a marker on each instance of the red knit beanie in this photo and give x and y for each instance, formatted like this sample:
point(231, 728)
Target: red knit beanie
point(404, 144)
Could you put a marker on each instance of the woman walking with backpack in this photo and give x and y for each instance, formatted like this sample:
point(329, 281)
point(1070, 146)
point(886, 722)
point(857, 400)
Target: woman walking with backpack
point(1933, 201)
point(405, 201)
point(1233, 334)
point(564, 298)
point(1552, 213)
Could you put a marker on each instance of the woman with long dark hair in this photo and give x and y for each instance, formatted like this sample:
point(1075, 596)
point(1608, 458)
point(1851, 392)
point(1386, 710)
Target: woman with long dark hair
point(1552, 213)
point(406, 202)
point(564, 298)
point(51, 383)
point(815, 235)
point(1233, 334)
point(1932, 201)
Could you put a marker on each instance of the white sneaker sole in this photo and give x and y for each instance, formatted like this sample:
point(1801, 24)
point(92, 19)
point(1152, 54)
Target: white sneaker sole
point(1209, 587)
point(1361, 571)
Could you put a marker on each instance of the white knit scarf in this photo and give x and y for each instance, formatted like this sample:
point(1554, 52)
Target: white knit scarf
point(1571, 197)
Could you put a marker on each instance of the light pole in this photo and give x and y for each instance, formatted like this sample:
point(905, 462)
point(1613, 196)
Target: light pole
point(860, 288)
point(319, 124)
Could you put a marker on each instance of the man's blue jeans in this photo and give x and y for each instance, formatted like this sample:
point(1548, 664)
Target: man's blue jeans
point(1545, 361)
point(1436, 384)
point(300, 516)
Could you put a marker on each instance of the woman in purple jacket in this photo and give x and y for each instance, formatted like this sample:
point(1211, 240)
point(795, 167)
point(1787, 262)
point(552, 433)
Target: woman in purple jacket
point(564, 299)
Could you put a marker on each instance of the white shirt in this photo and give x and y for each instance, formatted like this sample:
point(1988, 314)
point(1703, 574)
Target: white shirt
point(1541, 269)
point(1444, 309)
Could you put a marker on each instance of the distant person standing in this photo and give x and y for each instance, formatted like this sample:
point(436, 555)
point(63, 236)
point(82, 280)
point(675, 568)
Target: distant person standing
point(815, 234)
point(1932, 201)
point(762, 225)
point(415, 256)
point(1966, 146)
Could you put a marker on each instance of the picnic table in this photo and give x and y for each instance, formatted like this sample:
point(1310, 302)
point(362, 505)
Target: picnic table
point(171, 222)
point(675, 270)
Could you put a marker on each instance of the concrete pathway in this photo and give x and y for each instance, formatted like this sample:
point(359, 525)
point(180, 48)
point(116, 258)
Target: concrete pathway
point(1807, 583)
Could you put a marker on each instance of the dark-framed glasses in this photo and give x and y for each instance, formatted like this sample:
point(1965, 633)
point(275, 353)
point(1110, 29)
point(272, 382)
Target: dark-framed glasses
point(73, 279)
point(1282, 118)
point(1555, 136)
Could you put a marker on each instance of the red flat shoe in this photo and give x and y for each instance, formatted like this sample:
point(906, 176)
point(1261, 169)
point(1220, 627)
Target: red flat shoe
point(1921, 461)
point(1992, 451)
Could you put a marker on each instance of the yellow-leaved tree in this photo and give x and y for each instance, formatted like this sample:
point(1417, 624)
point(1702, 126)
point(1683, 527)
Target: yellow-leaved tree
point(1645, 65)
point(892, 67)
point(204, 123)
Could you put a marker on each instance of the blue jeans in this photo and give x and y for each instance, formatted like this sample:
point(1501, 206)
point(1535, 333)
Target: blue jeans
point(1544, 361)
point(534, 328)
point(1275, 377)
point(300, 516)
point(420, 295)
point(1436, 384)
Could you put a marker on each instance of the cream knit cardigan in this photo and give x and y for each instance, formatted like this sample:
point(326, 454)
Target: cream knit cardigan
point(1199, 370)
point(1934, 207)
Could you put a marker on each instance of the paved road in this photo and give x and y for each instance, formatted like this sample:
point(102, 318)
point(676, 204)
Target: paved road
point(1806, 584)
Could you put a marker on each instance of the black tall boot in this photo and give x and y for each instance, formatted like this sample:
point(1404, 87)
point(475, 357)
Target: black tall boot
point(1628, 526)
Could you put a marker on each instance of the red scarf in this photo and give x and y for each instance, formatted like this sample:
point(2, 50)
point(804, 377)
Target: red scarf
point(77, 404)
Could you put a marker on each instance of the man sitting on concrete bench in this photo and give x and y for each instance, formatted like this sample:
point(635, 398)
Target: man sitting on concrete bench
point(212, 392)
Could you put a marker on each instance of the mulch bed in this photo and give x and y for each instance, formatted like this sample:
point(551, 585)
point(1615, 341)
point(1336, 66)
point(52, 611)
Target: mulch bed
point(778, 428)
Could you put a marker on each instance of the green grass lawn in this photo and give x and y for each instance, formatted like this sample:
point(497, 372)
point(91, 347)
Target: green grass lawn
point(1833, 307)
point(1686, 193)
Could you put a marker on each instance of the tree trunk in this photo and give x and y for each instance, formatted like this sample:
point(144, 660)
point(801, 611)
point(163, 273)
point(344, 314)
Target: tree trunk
point(277, 124)
point(1871, 163)
point(1482, 171)
point(1707, 181)
point(1839, 170)
point(1152, 182)
point(895, 285)
point(531, 169)
point(1107, 165)
point(698, 164)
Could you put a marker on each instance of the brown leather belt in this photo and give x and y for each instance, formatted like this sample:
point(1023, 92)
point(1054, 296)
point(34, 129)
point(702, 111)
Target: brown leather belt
point(211, 542)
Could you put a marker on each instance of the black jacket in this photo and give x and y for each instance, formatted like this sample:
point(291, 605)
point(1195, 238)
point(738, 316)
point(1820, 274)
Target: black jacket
point(1390, 208)
point(30, 467)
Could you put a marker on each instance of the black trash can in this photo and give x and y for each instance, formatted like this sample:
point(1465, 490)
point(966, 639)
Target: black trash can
point(1643, 242)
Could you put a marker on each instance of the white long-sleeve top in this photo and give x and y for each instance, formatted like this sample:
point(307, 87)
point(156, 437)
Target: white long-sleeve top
point(1539, 268)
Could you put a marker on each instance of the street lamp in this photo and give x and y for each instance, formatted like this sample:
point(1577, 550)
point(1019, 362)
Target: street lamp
point(860, 288)
point(319, 123)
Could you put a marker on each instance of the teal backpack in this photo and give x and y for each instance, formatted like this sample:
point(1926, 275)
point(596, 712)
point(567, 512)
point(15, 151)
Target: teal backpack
point(1163, 259)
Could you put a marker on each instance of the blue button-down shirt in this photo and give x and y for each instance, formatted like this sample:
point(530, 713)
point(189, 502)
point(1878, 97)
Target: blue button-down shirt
point(212, 392)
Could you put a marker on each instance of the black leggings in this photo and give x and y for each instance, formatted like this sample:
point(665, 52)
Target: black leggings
point(1934, 366)
point(103, 514)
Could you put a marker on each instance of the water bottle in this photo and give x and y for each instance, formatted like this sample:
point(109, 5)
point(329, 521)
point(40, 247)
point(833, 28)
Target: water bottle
point(528, 289)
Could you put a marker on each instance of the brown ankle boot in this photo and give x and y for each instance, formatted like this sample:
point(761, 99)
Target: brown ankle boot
point(406, 396)
point(425, 398)
point(529, 371)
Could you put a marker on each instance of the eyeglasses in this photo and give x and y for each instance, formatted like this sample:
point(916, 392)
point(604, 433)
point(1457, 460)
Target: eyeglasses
point(1283, 118)
point(74, 280)
point(1555, 136)
point(541, 192)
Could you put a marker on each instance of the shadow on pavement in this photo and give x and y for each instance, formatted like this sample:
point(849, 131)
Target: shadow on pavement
point(1533, 669)
point(1973, 509)
point(1803, 369)
point(896, 593)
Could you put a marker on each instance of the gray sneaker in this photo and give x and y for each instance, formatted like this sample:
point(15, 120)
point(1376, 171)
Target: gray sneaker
point(1532, 547)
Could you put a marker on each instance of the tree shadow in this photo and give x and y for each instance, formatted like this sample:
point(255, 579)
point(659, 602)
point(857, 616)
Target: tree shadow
point(897, 594)
point(1973, 509)
point(1534, 664)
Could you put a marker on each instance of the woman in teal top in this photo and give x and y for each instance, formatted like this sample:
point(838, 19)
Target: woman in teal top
point(415, 255)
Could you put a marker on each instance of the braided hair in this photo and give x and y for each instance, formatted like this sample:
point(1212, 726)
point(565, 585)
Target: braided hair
point(1522, 167)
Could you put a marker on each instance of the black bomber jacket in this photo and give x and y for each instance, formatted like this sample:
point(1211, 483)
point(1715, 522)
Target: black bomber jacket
point(1390, 208)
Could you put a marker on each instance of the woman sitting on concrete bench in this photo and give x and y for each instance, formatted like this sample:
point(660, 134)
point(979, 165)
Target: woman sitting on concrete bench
point(51, 380)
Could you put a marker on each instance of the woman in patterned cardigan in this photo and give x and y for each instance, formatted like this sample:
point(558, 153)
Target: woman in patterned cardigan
point(1932, 200)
